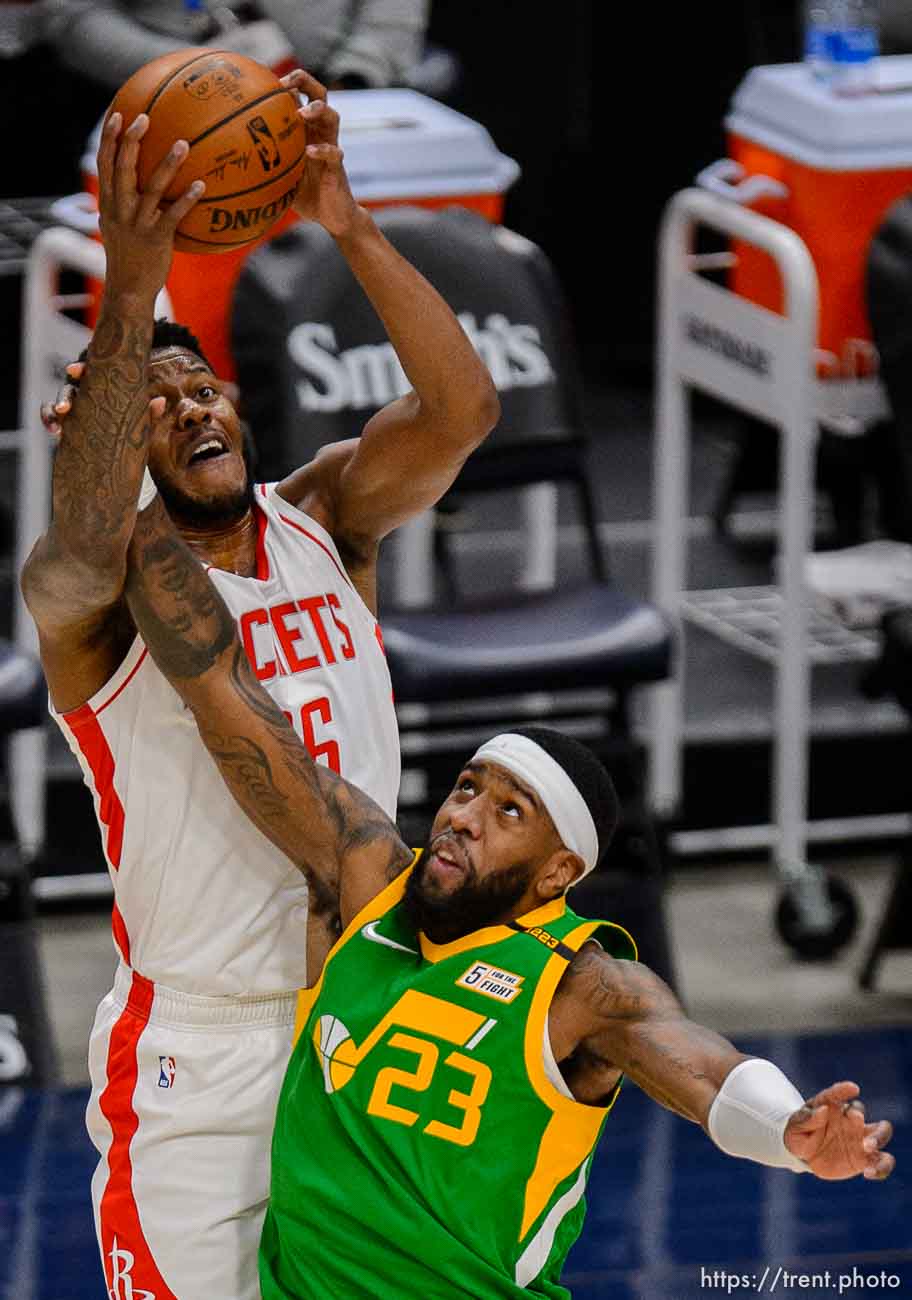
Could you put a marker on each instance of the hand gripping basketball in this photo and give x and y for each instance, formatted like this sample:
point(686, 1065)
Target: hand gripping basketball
point(137, 231)
point(323, 192)
point(244, 139)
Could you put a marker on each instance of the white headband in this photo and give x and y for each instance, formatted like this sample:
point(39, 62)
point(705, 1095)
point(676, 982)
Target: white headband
point(537, 769)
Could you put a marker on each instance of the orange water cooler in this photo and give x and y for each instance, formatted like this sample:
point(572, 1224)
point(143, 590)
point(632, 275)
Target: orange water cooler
point(829, 167)
point(400, 147)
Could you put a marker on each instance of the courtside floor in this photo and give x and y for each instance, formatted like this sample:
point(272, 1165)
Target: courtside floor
point(670, 1218)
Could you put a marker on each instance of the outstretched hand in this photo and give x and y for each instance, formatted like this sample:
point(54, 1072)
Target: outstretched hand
point(323, 193)
point(830, 1135)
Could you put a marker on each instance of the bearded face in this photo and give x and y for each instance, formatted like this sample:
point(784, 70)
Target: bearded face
point(197, 452)
point(446, 911)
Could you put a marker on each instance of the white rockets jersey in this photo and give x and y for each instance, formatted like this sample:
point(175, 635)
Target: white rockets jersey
point(203, 902)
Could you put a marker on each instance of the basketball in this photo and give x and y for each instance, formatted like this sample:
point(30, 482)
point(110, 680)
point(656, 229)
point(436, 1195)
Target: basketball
point(246, 141)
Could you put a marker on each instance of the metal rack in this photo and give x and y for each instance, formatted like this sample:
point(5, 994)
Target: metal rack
point(766, 365)
point(21, 222)
point(751, 618)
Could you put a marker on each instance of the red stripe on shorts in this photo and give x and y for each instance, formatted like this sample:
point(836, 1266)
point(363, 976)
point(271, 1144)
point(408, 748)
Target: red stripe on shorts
point(128, 1263)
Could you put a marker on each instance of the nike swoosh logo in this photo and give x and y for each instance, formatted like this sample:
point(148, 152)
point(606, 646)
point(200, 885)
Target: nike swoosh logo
point(370, 932)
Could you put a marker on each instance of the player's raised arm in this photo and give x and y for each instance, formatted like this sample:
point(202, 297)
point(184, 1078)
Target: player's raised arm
point(627, 1019)
point(334, 833)
point(75, 574)
point(412, 450)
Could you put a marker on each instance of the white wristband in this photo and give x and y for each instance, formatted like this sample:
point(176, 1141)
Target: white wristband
point(147, 492)
point(750, 1112)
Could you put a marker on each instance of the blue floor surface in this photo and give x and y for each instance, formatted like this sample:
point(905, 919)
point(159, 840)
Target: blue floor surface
point(670, 1217)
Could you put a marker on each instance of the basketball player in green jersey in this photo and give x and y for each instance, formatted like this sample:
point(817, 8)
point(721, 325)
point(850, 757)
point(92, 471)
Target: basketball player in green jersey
point(458, 1058)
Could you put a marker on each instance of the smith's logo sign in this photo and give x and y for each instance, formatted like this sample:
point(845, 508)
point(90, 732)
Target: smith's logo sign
point(707, 335)
point(370, 375)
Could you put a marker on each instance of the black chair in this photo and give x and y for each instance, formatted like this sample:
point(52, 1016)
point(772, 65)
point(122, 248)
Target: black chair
point(888, 289)
point(313, 361)
point(888, 445)
point(27, 1051)
point(313, 364)
point(578, 652)
point(23, 693)
point(891, 674)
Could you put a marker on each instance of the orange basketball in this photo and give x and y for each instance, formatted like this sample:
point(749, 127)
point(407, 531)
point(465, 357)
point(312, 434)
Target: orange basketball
point(246, 141)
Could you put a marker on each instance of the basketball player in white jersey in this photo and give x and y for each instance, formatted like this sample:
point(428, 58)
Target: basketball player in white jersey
point(210, 920)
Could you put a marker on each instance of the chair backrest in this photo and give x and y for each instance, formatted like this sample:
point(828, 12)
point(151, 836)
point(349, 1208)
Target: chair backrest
point(314, 363)
point(888, 290)
point(313, 359)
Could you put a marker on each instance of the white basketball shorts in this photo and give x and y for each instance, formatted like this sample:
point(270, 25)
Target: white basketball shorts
point(182, 1109)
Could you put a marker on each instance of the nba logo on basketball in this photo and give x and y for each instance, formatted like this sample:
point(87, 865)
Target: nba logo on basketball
point(166, 1071)
point(266, 147)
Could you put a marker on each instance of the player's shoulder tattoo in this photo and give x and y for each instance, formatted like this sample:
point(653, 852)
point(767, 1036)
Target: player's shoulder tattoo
point(614, 989)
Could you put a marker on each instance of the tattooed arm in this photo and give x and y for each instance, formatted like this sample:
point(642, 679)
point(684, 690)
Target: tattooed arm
point(334, 833)
point(73, 581)
point(412, 449)
point(611, 1017)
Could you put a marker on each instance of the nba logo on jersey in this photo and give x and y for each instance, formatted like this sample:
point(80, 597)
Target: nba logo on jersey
point(166, 1071)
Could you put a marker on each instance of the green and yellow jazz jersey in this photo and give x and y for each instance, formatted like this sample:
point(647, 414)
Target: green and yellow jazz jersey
point(421, 1151)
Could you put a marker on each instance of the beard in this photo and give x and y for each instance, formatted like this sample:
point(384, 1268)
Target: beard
point(225, 509)
point(471, 906)
point(216, 511)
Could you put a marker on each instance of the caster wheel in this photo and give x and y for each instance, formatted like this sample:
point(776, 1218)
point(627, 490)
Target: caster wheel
point(817, 945)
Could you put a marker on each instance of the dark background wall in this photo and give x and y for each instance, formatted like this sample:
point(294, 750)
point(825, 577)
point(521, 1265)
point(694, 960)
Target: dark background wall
point(609, 109)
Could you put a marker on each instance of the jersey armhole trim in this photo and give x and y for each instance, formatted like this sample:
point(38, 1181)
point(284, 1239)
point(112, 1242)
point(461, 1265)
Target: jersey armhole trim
point(262, 522)
point(293, 517)
point(535, 1029)
point(119, 679)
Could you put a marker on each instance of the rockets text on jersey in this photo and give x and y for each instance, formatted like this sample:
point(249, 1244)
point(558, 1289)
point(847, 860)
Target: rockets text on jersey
point(203, 902)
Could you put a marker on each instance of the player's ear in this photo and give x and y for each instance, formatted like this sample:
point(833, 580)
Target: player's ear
point(558, 874)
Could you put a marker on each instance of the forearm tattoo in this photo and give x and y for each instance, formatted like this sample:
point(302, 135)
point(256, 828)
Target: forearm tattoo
point(316, 817)
point(180, 615)
point(641, 1021)
point(104, 444)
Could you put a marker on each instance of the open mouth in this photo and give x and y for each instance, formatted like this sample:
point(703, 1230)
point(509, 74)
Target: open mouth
point(450, 856)
point(210, 447)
